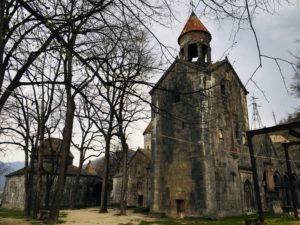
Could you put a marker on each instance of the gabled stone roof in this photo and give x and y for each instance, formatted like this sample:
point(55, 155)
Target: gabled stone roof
point(210, 68)
point(218, 64)
point(71, 171)
point(148, 128)
point(52, 147)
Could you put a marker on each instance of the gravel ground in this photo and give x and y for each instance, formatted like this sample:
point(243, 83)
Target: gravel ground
point(89, 216)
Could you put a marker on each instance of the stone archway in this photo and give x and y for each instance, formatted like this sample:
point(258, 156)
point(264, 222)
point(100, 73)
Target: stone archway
point(249, 202)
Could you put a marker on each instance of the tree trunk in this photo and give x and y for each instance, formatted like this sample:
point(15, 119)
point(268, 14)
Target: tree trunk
point(26, 182)
point(77, 180)
point(104, 191)
point(67, 138)
point(48, 191)
point(40, 153)
point(28, 197)
point(103, 200)
point(123, 201)
point(2, 35)
point(39, 190)
point(63, 164)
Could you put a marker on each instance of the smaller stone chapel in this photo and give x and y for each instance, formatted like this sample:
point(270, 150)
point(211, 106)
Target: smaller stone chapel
point(89, 189)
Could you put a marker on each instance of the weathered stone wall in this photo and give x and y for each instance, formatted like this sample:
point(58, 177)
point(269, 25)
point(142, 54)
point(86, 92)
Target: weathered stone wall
point(229, 120)
point(147, 141)
point(116, 190)
point(88, 192)
point(200, 158)
point(138, 192)
point(198, 137)
point(271, 164)
point(179, 167)
point(14, 193)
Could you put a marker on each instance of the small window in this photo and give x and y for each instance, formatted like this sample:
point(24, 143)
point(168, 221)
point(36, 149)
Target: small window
point(192, 52)
point(233, 175)
point(182, 125)
point(221, 134)
point(244, 139)
point(176, 96)
point(138, 170)
point(204, 52)
point(223, 88)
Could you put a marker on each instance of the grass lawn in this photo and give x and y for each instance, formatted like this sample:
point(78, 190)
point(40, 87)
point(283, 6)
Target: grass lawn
point(19, 214)
point(10, 213)
point(270, 219)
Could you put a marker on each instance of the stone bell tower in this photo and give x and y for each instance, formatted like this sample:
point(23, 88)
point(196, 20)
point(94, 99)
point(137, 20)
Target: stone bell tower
point(197, 132)
point(194, 41)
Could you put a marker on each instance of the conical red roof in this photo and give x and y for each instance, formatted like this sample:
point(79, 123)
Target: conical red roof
point(193, 24)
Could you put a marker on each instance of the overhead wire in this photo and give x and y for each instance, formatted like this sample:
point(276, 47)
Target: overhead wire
point(228, 151)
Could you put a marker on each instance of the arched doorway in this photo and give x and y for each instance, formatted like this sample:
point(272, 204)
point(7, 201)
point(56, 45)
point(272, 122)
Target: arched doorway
point(249, 203)
point(97, 193)
point(278, 186)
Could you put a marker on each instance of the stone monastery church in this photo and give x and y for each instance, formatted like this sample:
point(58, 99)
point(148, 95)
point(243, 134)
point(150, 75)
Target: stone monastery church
point(199, 122)
point(200, 164)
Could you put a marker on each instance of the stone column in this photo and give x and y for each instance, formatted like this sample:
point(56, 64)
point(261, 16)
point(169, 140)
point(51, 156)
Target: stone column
point(208, 55)
point(186, 52)
point(200, 53)
point(155, 171)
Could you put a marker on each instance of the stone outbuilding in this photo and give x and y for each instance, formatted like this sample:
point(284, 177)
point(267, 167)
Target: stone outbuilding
point(138, 193)
point(139, 184)
point(89, 187)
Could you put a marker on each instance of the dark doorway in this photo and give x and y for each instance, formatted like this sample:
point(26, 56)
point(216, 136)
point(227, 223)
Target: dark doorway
point(140, 200)
point(278, 185)
point(180, 208)
point(249, 202)
point(97, 193)
point(192, 52)
point(286, 192)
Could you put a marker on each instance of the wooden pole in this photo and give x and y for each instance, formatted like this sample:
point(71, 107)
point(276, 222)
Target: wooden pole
point(291, 183)
point(255, 179)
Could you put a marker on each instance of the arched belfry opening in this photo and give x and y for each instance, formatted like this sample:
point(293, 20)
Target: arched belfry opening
point(194, 41)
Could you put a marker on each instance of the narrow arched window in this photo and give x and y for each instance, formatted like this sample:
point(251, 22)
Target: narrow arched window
point(222, 87)
point(192, 52)
point(176, 96)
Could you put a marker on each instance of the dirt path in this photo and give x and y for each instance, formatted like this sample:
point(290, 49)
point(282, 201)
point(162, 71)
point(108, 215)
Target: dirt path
point(89, 216)
point(11, 221)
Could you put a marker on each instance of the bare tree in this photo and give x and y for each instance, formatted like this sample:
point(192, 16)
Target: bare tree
point(295, 86)
point(129, 64)
point(90, 141)
point(72, 29)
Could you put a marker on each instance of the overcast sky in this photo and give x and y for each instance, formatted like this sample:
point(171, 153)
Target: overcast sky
point(277, 35)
